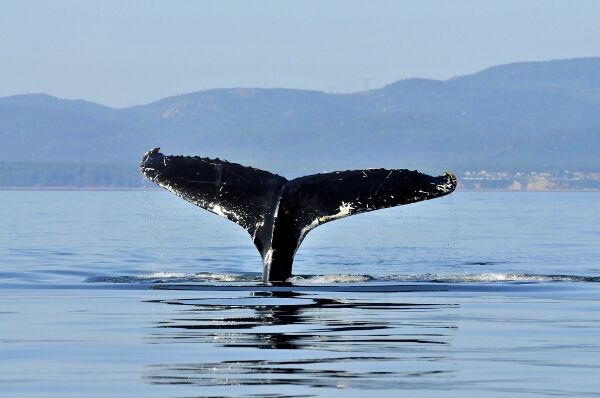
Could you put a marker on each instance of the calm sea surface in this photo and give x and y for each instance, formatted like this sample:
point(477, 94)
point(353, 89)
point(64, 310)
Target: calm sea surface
point(140, 294)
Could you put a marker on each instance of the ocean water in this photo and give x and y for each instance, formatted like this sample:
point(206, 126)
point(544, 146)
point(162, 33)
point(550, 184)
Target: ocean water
point(138, 293)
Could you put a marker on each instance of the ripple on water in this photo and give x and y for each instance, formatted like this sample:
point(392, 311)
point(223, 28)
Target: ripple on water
point(205, 277)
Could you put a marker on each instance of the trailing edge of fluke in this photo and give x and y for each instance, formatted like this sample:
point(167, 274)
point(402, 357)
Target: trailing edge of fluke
point(278, 213)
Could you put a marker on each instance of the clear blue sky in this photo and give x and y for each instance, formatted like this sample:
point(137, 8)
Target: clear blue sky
point(121, 52)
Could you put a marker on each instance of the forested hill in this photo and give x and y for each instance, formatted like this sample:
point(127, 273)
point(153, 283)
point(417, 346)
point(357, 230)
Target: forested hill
point(541, 116)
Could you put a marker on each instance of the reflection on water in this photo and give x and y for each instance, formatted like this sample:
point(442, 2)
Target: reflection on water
point(519, 341)
point(358, 343)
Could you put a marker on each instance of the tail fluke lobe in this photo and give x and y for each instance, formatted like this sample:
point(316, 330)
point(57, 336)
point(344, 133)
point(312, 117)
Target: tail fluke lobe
point(278, 213)
point(310, 201)
point(244, 195)
point(321, 198)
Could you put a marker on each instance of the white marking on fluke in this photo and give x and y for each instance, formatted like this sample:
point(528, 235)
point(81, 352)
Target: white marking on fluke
point(447, 187)
point(257, 226)
point(218, 210)
point(344, 210)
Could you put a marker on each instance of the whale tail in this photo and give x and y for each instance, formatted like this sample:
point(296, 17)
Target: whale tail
point(278, 213)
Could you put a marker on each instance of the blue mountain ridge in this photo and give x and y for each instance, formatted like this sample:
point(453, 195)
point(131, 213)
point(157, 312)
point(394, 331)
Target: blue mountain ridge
point(521, 116)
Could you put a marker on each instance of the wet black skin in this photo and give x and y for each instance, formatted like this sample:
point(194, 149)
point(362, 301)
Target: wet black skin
point(278, 213)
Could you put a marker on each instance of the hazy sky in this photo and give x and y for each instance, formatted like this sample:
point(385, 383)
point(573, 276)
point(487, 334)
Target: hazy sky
point(120, 53)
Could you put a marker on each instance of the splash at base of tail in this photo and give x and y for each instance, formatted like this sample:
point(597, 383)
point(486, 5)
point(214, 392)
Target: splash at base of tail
point(278, 213)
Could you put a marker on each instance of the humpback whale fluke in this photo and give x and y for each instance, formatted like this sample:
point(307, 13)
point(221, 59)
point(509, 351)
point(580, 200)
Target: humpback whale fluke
point(278, 213)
